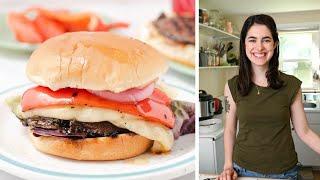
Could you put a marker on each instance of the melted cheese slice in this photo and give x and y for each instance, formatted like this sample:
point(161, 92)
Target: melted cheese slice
point(162, 135)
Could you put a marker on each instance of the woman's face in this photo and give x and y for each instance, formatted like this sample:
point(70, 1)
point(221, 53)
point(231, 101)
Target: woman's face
point(259, 45)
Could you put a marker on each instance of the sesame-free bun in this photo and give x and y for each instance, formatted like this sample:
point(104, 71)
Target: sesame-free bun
point(95, 61)
point(123, 146)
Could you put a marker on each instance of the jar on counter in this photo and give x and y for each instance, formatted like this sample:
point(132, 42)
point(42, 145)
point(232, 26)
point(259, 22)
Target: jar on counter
point(211, 56)
point(214, 17)
point(229, 28)
point(203, 16)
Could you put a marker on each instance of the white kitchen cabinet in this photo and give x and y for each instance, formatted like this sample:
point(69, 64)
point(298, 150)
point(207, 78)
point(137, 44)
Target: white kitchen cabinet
point(211, 153)
point(306, 156)
point(207, 156)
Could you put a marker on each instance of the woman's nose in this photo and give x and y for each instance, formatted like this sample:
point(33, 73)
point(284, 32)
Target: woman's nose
point(259, 45)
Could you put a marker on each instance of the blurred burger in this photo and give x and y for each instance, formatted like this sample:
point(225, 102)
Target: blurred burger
point(97, 98)
point(173, 34)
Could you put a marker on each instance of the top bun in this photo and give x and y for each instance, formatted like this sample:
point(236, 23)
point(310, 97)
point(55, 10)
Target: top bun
point(95, 61)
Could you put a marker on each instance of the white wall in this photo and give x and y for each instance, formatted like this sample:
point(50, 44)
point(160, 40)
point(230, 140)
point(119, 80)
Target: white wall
point(213, 80)
point(307, 19)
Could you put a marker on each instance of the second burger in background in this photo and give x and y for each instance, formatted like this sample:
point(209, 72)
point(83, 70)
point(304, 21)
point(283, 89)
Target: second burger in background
point(97, 98)
point(173, 34)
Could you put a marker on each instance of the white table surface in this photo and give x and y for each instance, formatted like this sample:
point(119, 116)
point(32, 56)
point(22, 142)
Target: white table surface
point(12, 63)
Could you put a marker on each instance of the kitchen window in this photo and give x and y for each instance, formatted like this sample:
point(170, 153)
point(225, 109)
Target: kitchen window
point(299, 56)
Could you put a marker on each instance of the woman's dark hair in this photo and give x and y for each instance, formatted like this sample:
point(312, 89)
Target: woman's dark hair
point(245, 72)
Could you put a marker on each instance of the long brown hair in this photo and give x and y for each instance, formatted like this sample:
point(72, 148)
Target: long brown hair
point(245, 71)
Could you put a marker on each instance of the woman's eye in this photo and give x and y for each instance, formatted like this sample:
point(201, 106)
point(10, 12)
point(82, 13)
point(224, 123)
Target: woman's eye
point(267, 40)
point(252, 40)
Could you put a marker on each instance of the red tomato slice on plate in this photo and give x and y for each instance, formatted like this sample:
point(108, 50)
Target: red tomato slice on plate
point(48, 27)
point(24, 29)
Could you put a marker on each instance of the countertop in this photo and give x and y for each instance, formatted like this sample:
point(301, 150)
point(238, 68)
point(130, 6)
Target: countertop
point(312, 110)
point(217, 133)
point(213, 134)
point(12, 63)
point(214, 176)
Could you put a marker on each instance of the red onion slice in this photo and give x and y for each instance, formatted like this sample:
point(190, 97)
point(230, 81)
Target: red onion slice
point(130, 95)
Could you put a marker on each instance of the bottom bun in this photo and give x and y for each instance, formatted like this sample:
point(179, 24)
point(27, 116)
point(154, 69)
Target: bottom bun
point(102, 148)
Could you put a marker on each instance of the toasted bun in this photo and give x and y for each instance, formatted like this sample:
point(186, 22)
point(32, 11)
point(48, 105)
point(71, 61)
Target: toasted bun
point(103, 148)
point(182, 53)
point(95, 61)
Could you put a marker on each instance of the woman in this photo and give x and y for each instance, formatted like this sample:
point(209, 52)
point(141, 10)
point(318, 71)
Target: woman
point(264, 100)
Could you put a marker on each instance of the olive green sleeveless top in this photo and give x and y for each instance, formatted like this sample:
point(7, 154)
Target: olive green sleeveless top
point(264, 143)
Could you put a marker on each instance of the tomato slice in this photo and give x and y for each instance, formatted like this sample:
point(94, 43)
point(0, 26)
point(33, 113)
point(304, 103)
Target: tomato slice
point(48, 27)
point(155, 108)
point(107, 27)
point(24, 29)
point(71, 21)
point(184, 7)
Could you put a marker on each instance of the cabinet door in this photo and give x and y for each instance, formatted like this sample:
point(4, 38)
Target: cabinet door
point(206, 156)
point(306, 156)
point(219, 155)
point(313, 118)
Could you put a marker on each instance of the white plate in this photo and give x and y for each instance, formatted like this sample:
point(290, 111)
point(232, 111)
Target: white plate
point(7, 39)
point(20, 158)
point(181, 68)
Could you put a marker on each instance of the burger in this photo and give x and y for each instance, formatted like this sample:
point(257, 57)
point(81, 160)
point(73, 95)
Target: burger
point(174, 36)
point(97, 98)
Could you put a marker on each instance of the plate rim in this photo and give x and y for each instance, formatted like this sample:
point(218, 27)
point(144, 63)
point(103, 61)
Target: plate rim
point(181, 68)
point(4, 159)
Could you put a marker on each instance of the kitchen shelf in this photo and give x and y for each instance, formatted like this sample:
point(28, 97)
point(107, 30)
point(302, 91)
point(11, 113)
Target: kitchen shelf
point(216, 33)
point(218, 67)
point(308, 90)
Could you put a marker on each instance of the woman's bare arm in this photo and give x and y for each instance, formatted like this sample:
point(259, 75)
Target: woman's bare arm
point(299, 120)
point(230, 128)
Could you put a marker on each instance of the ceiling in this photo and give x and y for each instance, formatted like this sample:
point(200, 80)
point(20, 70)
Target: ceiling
point(260, 6)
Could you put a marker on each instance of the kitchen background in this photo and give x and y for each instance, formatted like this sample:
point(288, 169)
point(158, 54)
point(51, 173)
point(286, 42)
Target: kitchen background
point(220, 23)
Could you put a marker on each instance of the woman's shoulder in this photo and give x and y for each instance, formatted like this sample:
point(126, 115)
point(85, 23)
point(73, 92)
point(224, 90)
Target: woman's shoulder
point(292, 86)
point(234, 79)
point(232, 82)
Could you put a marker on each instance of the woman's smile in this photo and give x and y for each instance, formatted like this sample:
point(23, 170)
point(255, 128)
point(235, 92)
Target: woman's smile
point(259, 55)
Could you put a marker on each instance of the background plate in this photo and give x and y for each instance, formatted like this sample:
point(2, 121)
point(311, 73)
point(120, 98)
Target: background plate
point(181, 68)
point(7, 39)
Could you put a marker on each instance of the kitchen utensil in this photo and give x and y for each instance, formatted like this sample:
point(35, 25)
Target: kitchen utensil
point(206, 105)
point(232, 59)
point(217, 106)
point(220, 48)
point(203, 58)
point(229, 46)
